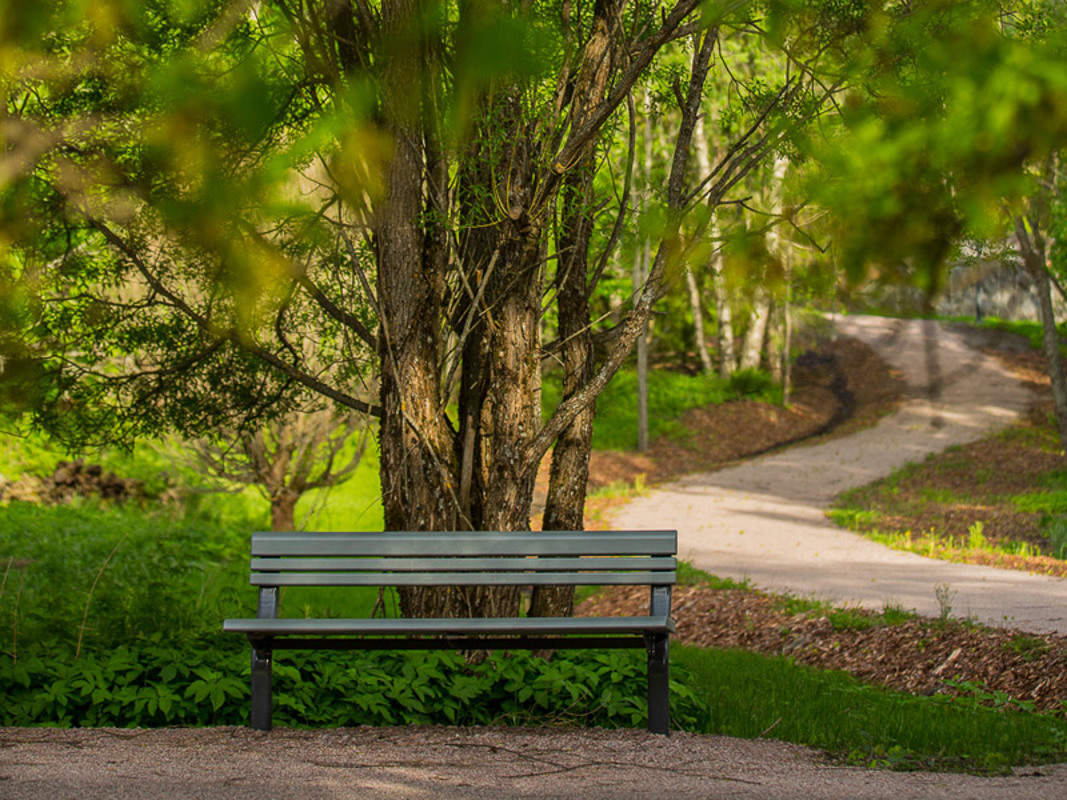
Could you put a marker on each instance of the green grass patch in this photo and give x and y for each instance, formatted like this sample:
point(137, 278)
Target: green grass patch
point(1048, 502)
point(670, 394)
point(688, 575)
point(854, 518)
point(755, 696)
point(90, 576)
point(1030, 330)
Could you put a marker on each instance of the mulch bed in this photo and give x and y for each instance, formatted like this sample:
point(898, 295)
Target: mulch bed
point(844, 385)
point(916, 656)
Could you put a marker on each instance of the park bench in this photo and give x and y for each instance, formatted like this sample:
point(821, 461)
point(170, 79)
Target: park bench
point(552, 558)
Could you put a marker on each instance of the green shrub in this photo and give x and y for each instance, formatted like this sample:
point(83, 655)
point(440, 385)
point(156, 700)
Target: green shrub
point(151, 685)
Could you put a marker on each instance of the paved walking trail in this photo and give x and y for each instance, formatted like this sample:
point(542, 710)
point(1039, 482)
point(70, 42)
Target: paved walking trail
point(764, 520)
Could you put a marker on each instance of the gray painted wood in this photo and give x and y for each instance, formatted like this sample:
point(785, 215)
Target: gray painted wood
point(466, 626)
point(664, 578)
point(464, 564)
point(423, 544)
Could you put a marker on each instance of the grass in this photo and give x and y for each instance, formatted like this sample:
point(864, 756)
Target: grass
point(1031, 330)
point(670, 394)
point(754, 696)
point(1000, 500)
point(931, 544)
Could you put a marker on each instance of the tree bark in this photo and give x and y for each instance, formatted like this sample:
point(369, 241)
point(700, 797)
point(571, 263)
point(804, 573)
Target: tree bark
point(418, 461)
point(703, 154)
point(724, 326)
point(751, 345)
point(1032, 247)
point(569, 473)
point(283, 510)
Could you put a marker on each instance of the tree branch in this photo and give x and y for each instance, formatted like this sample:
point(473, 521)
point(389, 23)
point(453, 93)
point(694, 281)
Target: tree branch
point(633, 325)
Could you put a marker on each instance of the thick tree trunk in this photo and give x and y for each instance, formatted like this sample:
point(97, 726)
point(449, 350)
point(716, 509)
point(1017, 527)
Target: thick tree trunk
point(1032, 247)
point(418, 462)
point(484, 294)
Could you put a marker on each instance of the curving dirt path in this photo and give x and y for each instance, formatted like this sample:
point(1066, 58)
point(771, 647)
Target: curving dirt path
point(763, 520)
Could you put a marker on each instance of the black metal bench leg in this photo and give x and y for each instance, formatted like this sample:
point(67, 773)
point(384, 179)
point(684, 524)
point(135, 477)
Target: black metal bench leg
point(659, 698)
point(261, 689)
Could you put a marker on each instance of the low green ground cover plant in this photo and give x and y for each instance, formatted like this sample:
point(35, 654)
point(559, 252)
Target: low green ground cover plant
point(207, 683)
point(1031, 330)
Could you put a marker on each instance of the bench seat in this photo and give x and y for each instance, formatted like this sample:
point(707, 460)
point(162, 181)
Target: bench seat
point(435, 559)
point(566, 626)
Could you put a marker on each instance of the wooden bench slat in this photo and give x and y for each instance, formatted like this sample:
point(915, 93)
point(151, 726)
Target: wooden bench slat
point(464, 564)
point(524, 543)
point(486, 625)
point(464, 578)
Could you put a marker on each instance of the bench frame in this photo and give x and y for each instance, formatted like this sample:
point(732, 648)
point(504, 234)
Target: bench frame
point(578, 558)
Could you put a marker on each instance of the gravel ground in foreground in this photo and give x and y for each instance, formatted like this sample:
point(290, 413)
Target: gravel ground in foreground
point(237, 763)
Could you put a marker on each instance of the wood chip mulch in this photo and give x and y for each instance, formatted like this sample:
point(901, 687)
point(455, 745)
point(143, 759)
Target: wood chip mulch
point(916, 656)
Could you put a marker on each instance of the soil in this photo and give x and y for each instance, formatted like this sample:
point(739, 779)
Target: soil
point(900, 651)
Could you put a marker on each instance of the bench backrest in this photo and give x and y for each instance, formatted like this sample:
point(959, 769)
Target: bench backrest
point(580, 558)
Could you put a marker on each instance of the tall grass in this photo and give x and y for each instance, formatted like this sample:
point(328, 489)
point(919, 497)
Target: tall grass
point(90, 577)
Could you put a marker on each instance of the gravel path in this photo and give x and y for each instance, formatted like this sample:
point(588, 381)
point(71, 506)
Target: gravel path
point(763, 520)
point(490, 763)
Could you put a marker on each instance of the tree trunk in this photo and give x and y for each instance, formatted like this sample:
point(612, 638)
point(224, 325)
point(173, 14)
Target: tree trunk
point(282, 510)
point(569, 473)
point(418, 462)
point(779, 247)
point(482, 289)
point(1032, 246)
point(787, 336)
point(751, 345)
point(640, 275)
point(703, 154)
point(724, 326)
